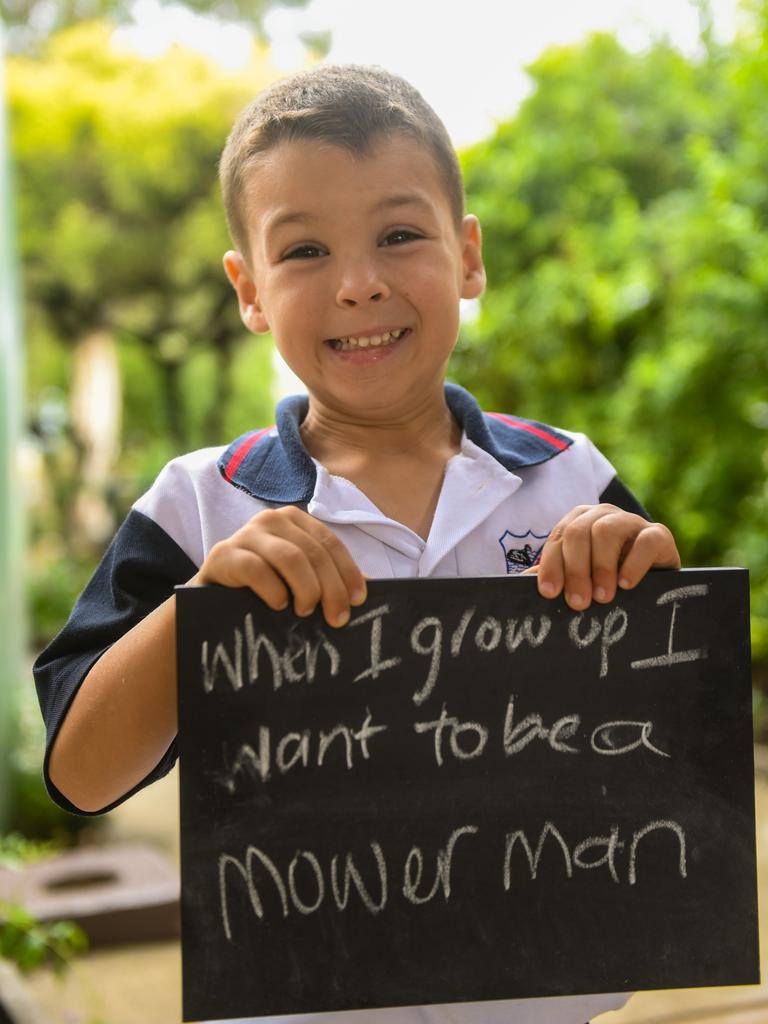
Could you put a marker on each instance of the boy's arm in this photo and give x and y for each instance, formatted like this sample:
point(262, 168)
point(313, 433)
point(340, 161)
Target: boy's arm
point(121, 722)
point(136, 575)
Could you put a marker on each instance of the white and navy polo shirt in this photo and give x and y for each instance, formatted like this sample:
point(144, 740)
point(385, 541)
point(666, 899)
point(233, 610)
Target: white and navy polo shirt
point(510, 483)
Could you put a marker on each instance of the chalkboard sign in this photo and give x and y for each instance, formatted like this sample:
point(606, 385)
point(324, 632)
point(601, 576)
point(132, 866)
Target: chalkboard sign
point(467, 793)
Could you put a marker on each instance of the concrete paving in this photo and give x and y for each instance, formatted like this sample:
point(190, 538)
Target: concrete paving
point(141, 985)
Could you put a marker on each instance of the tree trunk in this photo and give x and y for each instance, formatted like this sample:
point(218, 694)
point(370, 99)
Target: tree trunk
point(96, 404)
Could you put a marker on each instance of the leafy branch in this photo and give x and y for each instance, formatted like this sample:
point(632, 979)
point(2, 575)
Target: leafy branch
point(30, 943)
point(27, 942)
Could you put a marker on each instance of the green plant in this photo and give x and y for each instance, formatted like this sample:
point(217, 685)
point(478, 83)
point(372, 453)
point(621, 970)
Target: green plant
point(32, 815)
point(54, 581)
point(624, 210)
point(30, 943)
point(17, 850)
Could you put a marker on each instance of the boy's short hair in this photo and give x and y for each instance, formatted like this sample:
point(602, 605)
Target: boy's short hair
point(349, 105)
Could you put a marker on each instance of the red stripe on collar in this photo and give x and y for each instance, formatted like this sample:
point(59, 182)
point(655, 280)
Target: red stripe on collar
point(241, 451)
point(523, 425)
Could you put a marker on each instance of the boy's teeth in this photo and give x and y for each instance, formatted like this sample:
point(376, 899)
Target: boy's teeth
point(372, 340)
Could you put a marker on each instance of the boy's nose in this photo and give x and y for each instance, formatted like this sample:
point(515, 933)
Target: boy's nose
point(360, 286)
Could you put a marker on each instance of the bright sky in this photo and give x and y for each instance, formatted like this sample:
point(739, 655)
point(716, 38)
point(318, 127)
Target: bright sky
point(466, 58)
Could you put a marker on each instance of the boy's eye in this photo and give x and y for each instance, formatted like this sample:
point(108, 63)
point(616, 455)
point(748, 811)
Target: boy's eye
point(399, 236)
point(303, 252)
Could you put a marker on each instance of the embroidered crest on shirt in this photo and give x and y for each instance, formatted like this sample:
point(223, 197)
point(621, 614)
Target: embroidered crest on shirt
point(521, 550)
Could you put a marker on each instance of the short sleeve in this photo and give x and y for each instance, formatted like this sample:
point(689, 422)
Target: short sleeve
point(617, 493)
point(138, 572)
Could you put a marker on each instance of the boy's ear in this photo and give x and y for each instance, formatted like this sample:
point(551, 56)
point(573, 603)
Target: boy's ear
point(241, 280)
point(473, 283)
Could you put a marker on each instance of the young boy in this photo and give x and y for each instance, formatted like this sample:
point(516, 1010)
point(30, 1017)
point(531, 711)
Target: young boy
point(345, 202)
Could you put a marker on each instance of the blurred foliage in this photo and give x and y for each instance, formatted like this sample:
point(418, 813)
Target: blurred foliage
point(27, 942)
point(625, 210)
point(39, 825)
point(30, 22)
point(121, 224)
point(122, 231)
point(30, 943)
point(35, 815)
point(17, 850)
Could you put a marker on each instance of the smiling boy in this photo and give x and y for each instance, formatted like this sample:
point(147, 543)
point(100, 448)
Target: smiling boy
point(377, 237)
point(345, 203)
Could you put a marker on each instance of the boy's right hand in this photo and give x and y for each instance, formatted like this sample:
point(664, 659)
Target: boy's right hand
point(282, 552)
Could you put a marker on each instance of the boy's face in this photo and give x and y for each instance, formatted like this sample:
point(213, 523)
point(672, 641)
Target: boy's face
point(346, 250)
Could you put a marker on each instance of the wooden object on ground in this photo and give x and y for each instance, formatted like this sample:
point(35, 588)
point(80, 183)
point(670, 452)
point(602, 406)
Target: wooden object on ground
point(117, 894)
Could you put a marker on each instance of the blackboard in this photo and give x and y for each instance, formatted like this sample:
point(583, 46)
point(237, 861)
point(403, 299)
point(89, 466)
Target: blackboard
point(467, 793)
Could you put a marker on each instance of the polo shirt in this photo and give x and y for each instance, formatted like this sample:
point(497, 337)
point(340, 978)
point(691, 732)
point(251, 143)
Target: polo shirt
point(511, 482)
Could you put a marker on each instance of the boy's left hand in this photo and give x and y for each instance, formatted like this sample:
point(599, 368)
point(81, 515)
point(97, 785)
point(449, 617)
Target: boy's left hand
point(596, 548)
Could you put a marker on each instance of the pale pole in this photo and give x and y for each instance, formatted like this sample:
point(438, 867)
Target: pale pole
point(11, 531)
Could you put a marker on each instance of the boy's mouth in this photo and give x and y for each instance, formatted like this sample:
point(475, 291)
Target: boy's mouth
point(368, 341)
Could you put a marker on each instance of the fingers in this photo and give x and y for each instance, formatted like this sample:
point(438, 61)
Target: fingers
point(653, 548)
point(283, 553)
point(565, 562)
point(612, 534)
point(597, 548)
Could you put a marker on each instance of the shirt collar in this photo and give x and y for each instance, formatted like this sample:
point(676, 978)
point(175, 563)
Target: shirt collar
point(274, 466)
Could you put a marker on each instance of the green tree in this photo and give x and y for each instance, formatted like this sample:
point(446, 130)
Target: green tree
point(624, 213)
point(122, 233)
point(30, 22)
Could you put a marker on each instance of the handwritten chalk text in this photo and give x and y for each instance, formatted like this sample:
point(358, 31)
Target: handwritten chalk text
point(304, 885)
